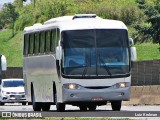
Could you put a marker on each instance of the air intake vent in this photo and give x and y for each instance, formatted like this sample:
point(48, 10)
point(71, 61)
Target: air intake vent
point(84, 16)
point(100, 87)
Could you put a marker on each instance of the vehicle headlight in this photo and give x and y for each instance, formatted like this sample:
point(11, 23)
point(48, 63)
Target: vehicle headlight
point(5, 93)
point(121, 85)
point(71, 86)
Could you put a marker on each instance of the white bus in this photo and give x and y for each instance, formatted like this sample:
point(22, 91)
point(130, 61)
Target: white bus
point(81, 60)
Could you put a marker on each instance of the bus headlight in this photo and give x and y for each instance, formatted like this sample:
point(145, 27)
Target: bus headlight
point(121, 85)
point(71, 86)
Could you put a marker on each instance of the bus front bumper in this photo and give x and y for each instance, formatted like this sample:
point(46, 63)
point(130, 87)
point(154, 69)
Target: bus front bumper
point(95, 95)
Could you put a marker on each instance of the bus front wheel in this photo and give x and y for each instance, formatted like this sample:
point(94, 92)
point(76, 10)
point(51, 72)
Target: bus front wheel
point(92, 107)
point(116, 105)
point(60, 106)
point(83, 108)
point(36, 106)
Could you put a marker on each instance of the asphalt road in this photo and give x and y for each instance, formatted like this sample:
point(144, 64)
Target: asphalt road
point(19, 107)
point(101, 111)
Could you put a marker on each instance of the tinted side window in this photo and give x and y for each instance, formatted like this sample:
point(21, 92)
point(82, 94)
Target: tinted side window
point(34, 43)
point(36, 47)
point(26, 44)
point(47, 41)
point(53, 41)
point(57, 37)
point(31, 43)
point(42, 42)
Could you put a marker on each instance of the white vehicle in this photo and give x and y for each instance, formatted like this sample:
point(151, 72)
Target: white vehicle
point(12, 91)
point(82, 60)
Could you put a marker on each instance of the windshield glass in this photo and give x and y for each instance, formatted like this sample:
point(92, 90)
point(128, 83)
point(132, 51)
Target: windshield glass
point(95, 52)
point(13, 83)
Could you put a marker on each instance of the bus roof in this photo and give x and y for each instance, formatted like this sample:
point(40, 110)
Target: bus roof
point(76, 23)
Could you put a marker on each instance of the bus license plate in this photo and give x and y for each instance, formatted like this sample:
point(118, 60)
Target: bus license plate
point(97, 99)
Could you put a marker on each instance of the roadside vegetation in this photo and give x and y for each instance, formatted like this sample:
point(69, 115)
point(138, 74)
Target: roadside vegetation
point(147, 51)
point(141, 17)
point(11, 47)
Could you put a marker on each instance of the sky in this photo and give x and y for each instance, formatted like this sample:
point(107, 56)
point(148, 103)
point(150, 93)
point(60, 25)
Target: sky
point(5, 1)
point(8, 1)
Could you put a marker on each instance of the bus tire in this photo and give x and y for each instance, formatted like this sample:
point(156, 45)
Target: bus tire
point(83, 108)
point(60, 107)
point(116, 105)
point(46, 106)
point(92, 107)
point(36, 106)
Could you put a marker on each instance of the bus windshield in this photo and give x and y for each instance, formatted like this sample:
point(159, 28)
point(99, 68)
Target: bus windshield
point(95, 52)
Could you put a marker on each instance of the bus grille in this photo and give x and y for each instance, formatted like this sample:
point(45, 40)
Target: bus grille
point(98, 87)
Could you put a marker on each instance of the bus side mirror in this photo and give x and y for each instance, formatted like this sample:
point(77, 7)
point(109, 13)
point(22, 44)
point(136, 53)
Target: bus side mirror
point(133, 54)
point(131, 42)
point(58, 52)
point(3, 63)
point(133, 50)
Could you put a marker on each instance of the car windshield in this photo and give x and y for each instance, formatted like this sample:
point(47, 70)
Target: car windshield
point(14, 83)
point(95, 52)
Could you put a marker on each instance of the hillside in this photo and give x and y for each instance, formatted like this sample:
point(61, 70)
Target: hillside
point(12, 49)
point(124, 10)
point(140, 16)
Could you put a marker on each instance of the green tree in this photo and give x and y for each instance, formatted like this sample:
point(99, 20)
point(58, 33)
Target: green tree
point(34, 2)
point(151, 26)
point(2, 21)
point(19, 3)
point(10, 15)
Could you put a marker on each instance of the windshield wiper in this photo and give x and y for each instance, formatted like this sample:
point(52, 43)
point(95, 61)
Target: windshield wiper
point(85, 70)
point(104, 65)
